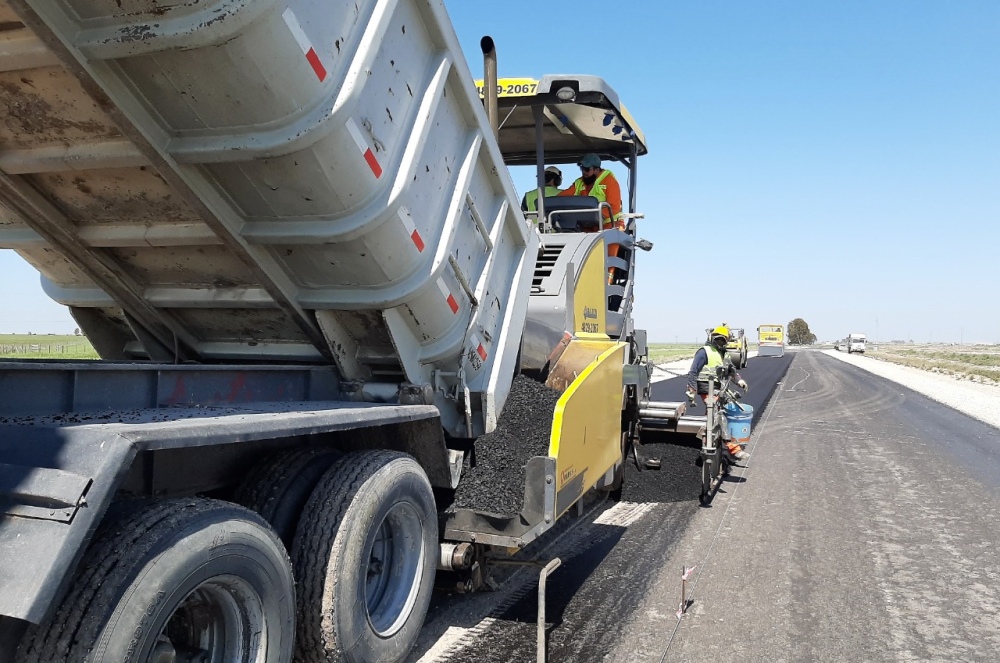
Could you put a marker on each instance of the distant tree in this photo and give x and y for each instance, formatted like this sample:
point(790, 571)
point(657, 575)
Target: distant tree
point(799, 334)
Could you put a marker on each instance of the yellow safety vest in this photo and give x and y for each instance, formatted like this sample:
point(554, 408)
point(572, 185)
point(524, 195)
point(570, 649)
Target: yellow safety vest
point(597, 191)
point(531, 198)
point(715, 359)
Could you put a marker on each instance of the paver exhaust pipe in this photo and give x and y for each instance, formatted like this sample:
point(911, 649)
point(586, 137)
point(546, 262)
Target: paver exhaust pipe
point(490, 83)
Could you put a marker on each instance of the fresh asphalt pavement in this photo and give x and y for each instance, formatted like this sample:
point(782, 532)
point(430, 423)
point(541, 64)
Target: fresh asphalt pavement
point(761, 373)
point(679, 479)
point(863, 527)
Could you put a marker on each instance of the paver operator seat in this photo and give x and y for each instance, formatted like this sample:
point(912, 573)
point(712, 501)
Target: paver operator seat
point(573, 214)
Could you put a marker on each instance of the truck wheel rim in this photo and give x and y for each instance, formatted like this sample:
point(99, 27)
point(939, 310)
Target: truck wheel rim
point(395, 568)
point(220, 621)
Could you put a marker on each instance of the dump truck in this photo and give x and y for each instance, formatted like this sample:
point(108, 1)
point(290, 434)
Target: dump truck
point(288, 230)
point(770, 340)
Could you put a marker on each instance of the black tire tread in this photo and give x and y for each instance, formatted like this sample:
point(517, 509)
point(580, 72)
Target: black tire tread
point(262, 490)
point(314, 546)
point(121, 545)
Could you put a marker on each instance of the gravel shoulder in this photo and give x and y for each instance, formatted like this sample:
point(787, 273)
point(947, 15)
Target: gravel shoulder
point(979, 401)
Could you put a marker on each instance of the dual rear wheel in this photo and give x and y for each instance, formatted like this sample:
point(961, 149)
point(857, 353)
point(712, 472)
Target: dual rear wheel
point(206, 581)
point(365, 555)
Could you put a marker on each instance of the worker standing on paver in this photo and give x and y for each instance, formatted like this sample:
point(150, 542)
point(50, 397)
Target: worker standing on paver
point(703, 368)
point(553, 180)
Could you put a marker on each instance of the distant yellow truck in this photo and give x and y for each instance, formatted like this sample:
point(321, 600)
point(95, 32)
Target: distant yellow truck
point(770, 341)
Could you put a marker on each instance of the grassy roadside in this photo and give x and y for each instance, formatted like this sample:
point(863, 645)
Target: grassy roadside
point(967, 362)
point(662, 353)
point(46, 346)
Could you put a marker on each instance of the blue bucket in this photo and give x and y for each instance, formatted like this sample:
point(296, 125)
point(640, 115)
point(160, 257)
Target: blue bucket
point(739, 422)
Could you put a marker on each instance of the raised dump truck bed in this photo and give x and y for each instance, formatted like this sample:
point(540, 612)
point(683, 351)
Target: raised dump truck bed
point(266, 181)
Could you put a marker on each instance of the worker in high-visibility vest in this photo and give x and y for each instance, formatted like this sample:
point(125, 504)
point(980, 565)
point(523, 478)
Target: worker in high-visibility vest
point(703, 369)
point(553, 180)
point(601, 184)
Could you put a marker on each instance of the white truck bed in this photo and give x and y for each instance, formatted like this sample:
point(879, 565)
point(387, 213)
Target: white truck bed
point(261, 181)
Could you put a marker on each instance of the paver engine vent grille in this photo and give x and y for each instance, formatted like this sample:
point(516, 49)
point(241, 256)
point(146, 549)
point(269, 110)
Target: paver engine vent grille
point(546, 262)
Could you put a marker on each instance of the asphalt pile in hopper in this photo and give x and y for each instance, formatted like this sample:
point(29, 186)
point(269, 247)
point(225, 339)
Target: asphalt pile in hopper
point(493, 481)
point(679, 476)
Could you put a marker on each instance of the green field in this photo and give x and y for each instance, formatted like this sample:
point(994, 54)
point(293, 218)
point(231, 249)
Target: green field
point(661, 353)
point(45, 346)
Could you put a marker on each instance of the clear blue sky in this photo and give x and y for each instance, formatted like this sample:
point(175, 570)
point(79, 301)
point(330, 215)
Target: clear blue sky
point(837, 161)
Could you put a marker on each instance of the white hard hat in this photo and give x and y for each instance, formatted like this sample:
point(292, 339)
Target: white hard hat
point(553, 169)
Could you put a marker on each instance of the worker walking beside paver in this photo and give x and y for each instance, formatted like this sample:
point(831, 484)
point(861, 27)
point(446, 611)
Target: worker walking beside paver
point(703, 368)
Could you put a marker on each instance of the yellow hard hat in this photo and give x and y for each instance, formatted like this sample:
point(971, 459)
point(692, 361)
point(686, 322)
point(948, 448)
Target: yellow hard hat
point(721, 330)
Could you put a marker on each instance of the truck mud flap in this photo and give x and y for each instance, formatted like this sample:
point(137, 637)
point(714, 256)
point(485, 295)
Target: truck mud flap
point(54, 488)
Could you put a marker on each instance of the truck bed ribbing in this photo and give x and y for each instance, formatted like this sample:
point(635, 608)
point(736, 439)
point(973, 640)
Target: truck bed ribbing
point(267, 182)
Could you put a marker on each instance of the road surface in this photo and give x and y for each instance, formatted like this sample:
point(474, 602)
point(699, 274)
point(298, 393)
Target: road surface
point(863, 527)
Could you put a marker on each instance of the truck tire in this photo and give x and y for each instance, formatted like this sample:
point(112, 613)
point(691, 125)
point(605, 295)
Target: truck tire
point(169, 579)
point(279, 487)
point(365, 555)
